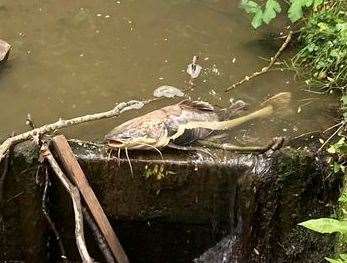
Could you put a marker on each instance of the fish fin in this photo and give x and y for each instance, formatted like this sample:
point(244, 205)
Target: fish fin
point(199, 105)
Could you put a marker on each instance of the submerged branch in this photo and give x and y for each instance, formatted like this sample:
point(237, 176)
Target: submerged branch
point(120, 108)
point(49, 219)
point(274, 145)
point(102, 243)
point(76, 201)
point(265, 69)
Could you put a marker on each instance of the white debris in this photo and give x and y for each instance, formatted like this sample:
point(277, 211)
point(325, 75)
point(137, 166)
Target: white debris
point(168, 92)
point(194, 69)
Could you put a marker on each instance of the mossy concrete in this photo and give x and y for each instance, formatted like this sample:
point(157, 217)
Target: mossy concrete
point(183, 203)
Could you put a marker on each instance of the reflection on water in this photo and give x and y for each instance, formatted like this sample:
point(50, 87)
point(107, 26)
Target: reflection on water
point(76, 57)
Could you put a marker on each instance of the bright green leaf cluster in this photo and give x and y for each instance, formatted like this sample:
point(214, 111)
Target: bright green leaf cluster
point(340, 147)
point(324, 52)
point(295, 11)
point(265, 14)
point(261, 15)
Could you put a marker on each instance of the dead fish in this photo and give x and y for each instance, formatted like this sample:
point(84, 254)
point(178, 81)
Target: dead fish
point(186, 122)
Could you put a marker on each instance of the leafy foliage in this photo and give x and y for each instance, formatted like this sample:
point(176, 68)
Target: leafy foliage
point(265, 14)
point(260, 15)
point(326, 225)
point(340, 147)
point(324, 52)
point(295, 11)
point(344, 107)
point(342, 259)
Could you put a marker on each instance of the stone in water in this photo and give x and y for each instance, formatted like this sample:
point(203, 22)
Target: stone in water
point(168, 92)
point(4, 50)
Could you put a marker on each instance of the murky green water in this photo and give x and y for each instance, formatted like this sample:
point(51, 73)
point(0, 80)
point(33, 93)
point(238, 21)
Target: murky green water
point(70, 58)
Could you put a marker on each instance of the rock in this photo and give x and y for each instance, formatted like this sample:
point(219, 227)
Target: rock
point(4, 50)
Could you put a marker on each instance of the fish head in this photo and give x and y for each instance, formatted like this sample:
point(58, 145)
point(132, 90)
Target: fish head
point(137, 134)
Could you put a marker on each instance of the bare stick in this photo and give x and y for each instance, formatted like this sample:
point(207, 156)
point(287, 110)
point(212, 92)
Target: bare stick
point(29, 121)
point(265, 69)
point(121, 107)
point(342, 125)
point(3, 176)
point(4, 173)
point(73, 169)
point(49, 219)
point(274, 145)
point(98, 236)
point(76, 201)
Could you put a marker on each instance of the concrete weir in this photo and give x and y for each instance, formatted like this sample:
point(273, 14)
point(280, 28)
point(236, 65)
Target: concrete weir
point(183, 207)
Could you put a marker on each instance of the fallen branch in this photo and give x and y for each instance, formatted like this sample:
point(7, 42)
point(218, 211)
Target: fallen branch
point(49, 219)
point(120, 108)
point(73, 169)
point(265, 69)
point(98, 236)
point(273, 146)
point(76, 201)
point(3, 176)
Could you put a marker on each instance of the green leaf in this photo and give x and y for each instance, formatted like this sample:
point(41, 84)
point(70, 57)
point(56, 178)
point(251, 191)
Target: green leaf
point(317, 3)
point(337, 167)
point(342, 259)
point(254, 9)
point(344, 99)
point(272, 7)
point(326, 225)
point(333, 260)
point(250, 7)
point(295, 10)
point(257, 19)
point(343, 198)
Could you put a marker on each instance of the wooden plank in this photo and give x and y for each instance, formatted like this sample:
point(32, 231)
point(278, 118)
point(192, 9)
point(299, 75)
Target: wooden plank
point(73, 168)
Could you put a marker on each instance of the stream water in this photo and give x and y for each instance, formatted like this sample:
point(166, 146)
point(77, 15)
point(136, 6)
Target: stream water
point(71, 58)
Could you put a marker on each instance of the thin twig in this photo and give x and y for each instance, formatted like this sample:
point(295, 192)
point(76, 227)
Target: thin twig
point(332, 127)
point(98, 236)
point(332, 136)
point(274, 145)
point(49, 219)
point(120, 108)
point(29, 121)
point(265, 69)
point(3, 175)
point(76, 201)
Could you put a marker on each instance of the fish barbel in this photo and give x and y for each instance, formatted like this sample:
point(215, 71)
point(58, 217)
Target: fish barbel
point(185, 122)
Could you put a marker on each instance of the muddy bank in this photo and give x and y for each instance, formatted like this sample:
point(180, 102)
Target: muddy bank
point(234, 208)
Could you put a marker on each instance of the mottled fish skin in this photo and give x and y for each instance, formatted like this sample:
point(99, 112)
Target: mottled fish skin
point(156, 129)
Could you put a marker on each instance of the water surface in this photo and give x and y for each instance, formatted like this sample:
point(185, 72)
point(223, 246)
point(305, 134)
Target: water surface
point(71, 58)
